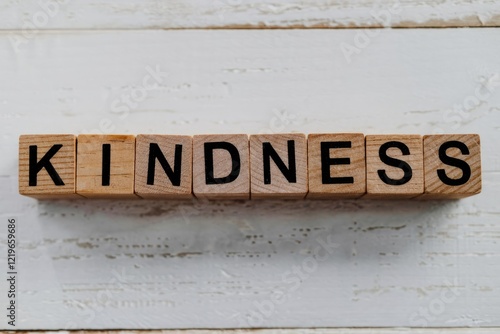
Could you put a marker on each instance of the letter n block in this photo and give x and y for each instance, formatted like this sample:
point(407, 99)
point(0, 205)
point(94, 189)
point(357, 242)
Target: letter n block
point(163, 166)
point(336, 164)
point(452, 166)
point(105, 166)
point(278, 166)
point(47, 166)
point(394, 166)
point(221, 166)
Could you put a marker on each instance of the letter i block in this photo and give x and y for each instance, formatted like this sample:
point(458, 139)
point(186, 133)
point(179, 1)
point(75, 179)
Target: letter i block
point(163, 166)
point(336, 165)
point(105, 166)
point(394, 166)
point(278, 166)
point(452, 166)
point(47, 166)
point(221, 168)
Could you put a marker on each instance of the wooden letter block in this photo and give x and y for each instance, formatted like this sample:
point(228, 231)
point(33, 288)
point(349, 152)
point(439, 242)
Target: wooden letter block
point(394, 166)
point(278, 166)
point(105, 166)
point(163, 166)
point(47, 166)
point(336, 164)
point(221, 168)
point(452, 166)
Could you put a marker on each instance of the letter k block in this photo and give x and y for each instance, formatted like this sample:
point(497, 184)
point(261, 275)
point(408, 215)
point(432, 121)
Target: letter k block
point(47, 166)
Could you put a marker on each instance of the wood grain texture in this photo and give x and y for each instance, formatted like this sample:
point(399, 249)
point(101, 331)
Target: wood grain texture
point(90, 173)
point(163, 187)
point(404, 177)
point(230, 176)
point(286, 159)
point(353, 149)
point(435, 188)
point(300, 331)
point(63, 161)
point(225, 264)
point(175, 14)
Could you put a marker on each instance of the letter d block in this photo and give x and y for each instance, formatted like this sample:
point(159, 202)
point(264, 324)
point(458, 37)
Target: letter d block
point(394, 166)
point(105, 166)
point(221, 168)
point(164, 166)
point(278, 166)
point(452, 166)
point(47, 166)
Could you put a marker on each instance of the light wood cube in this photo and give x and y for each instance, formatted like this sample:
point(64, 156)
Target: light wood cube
point(394, 166)
point(278, 166)
point(47, 166)
point(336, 165)
point(105, 166)
point(221, 166)
point(452, 166)
point(163, 166)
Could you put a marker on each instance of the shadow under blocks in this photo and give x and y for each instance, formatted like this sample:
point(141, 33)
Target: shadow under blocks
point(242, 167)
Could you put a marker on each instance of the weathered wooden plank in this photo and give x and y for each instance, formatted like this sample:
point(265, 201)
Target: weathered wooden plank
point(302, 331)
point(160, 264)
point(32, 15)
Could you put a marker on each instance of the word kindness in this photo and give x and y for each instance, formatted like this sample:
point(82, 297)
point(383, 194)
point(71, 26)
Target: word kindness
point(324, 166)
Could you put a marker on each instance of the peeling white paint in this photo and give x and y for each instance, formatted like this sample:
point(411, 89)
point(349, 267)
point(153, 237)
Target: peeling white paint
point(31, 16)
point(154, 264)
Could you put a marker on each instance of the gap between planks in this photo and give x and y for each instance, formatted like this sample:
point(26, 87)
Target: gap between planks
point(429, 330)
point(251, 27)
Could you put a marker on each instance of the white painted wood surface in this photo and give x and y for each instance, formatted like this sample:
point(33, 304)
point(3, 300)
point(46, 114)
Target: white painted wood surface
point(32, 15)
point(151, 264)
point(305, 331)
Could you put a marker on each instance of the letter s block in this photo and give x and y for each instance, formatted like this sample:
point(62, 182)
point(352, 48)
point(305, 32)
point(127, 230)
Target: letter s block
point(221, 166)
point(452, 165)
point(47, 166)
point(394, 166)
point(105, 166)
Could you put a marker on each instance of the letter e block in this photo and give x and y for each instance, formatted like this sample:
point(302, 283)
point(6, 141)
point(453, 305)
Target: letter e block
point(394, 166)
point(163, 166)
point(105, 166)
point(336, 165)
point(452, 164)
point(221, 168)
point(47, 166)
point(278, 166)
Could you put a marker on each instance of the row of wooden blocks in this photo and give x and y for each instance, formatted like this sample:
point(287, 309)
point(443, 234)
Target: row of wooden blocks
point(289, 166)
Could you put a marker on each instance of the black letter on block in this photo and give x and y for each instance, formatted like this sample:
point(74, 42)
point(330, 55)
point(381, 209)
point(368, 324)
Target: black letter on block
point(326, 162)
point(268, 152)
point(464, 166)
point(173, 175)
point(209, 162)
point(106, 164)
point(36, 166)
point(394, 163)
